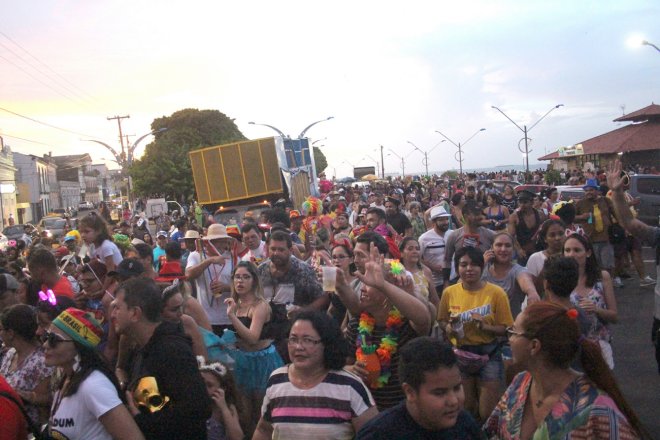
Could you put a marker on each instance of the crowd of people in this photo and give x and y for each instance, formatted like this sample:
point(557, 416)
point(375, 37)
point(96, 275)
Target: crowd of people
point(412, 309)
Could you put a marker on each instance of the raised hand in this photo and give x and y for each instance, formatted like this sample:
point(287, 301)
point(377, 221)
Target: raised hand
point(614, 180)
point(374, 275)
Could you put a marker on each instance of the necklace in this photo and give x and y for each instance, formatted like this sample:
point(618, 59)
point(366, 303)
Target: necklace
point(378, 357)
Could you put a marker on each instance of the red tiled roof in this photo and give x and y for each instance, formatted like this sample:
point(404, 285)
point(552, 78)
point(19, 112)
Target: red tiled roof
point(650, 112)
point(633, 137)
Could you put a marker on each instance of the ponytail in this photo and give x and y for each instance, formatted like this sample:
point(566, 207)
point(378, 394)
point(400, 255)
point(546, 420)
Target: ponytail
point(599, 373)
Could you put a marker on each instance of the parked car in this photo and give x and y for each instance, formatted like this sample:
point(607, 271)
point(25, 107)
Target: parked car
point(498, 184)
point(535, 188)
point(647, 188)
point(568, 192)
point(17, 232)
point(85, 205)
point(54, 227)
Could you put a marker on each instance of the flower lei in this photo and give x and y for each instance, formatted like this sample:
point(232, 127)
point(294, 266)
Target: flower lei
point(388, 343)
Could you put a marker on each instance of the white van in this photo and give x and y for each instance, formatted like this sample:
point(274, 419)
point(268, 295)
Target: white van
point(155, 207)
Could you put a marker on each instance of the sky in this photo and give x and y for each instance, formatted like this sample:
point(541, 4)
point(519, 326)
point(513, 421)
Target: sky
point(389, 73)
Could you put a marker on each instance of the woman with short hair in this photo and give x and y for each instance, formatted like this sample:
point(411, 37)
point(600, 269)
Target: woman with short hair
point(313, 397)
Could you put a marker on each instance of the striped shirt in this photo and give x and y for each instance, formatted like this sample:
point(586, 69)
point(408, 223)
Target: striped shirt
point(322, 412)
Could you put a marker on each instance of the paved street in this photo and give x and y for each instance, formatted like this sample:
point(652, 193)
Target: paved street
point(635, 366)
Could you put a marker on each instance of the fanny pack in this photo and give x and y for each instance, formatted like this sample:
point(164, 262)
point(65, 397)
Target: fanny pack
point(470, 362)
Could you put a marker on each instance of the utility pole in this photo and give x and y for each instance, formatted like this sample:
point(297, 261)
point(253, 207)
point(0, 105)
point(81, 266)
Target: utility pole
point(382, 164)
point(121, 136)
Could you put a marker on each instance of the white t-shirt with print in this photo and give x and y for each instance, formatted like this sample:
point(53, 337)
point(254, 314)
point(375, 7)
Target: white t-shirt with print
point(215, 307)
point(106, 249)
point(77, 416)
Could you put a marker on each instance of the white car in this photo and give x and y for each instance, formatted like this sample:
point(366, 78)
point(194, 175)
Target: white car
point(4, 241)
point(85, 205)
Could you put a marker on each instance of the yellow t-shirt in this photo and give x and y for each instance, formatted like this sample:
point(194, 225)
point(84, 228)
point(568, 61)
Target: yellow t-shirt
point(490, 301)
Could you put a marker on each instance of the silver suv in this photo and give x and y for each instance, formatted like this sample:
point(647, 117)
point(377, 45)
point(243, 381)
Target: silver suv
point(647, 188)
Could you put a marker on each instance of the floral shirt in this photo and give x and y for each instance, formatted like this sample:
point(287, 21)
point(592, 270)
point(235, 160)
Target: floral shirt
point(299, 286)
point(582, 412)
point(27, 375)
point(598, 330)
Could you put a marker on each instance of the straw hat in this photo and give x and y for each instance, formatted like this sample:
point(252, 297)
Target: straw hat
point(216, 231)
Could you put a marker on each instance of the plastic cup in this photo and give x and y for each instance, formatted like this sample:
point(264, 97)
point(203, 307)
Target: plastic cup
point(329, 278)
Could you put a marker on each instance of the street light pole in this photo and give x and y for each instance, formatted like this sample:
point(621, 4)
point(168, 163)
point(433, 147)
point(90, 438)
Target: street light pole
point(382, 164)
point(426, 154)
point(274, 128)
point(302, 133)
point(125, 161)
point(460, 148)
point(403, 165)
point(647, 43)
point(525, 131)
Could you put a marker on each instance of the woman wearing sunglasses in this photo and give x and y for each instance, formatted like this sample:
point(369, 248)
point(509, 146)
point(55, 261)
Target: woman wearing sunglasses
point(87, 403)
point(23, 364)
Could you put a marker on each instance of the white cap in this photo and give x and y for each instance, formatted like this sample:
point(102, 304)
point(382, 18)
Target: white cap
point(439, 211)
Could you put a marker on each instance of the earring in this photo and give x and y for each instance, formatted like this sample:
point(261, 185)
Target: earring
point(76, 363)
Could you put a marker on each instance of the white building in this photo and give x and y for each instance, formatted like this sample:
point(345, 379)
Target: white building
point(7, 185)
point(34, 171)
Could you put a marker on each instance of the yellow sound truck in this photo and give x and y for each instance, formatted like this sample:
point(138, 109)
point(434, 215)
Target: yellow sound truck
point(251, 175)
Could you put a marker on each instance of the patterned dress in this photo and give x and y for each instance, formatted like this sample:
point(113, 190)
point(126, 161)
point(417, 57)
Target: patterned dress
point(582, 412)
point(598, 332)
point(27, 376)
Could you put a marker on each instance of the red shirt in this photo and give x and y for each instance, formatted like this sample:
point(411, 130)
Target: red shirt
point(13, 424)
point(62, 287)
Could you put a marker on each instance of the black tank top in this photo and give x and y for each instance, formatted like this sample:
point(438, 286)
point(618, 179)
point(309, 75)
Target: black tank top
point(523, 233)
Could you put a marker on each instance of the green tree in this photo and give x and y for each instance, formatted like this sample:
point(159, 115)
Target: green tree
point(320, 161)
point(450, 174)
point(165, 167)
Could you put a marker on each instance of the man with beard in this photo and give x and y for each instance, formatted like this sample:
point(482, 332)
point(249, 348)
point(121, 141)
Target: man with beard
point(396, 219)
point(288, 280)
point(432, 245)
point(212, 274)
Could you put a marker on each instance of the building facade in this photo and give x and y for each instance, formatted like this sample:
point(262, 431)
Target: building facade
point(34, 172)
point(7, 185)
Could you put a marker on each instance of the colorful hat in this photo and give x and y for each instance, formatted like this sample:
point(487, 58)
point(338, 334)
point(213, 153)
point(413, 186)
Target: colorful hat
point(234, 231)
point(294, 213)
point(81, 326)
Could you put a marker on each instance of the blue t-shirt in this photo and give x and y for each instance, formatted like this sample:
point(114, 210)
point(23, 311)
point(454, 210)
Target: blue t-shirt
point(157, 253)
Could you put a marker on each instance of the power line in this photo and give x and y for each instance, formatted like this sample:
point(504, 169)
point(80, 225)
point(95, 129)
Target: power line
point(39, 80)
point(58, 83)
point(45, 123)
point(47, 66)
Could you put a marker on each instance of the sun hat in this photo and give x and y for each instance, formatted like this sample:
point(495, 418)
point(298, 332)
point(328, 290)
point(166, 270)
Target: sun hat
point(80, 325)
point(191, 234)
point(215, 232)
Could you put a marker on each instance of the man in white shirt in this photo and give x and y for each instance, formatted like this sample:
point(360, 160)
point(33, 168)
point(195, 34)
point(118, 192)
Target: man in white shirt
point(253, 239)
point(432, 245)
point(212, 275)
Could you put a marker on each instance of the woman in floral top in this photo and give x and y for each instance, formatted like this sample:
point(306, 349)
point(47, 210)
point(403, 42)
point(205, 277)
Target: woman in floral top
point(594, 293)
point(23, 365)
point(552, 401)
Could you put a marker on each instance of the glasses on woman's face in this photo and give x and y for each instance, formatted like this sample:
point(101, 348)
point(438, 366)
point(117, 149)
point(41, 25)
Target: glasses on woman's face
point(243, 277)
point(340, 257)
point(511, 332)
point(303, 342)
point(53, 339)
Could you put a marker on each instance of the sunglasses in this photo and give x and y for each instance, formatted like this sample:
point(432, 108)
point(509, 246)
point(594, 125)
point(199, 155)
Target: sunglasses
point(53, 340)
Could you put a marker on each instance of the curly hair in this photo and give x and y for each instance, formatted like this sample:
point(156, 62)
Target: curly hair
point(335, 348)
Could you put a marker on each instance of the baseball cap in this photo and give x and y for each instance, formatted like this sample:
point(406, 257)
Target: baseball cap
point(129, 267)
point(161, 234)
